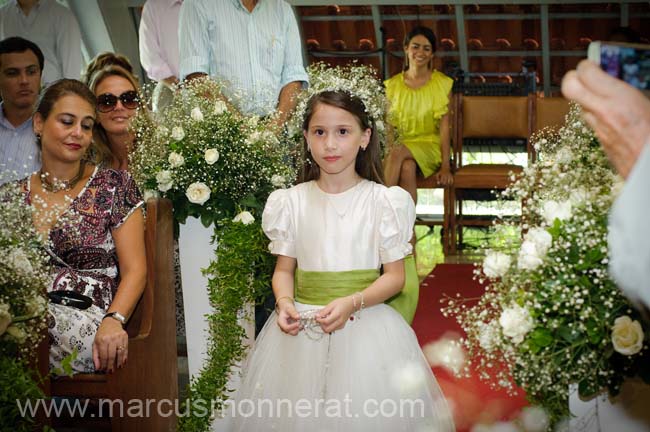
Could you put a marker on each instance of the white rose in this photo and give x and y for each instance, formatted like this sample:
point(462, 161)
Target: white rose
point(196, 114)
point(277, 180)
point(176, 159)
point(379, 125)
point(162, 131)
point(487, 337)
point(198, 193)
point(553, 210)
point(35, 305)
point(5, 318)
point(529, 258)
point(563, 156)
point(220, 107)
point(20, 261)
point(579, 196)
point(150, 194)
point(17, 333)
point(254, 137)
point(211, 155)
point(244, 217)
point(534, 419)
point(516, 322)
point(542, 240)
point(178, 133)
point(496, 264)
point(164, 179)
point(627, 336)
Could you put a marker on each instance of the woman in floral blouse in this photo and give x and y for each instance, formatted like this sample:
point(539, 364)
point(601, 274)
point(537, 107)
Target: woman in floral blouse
point(93, 226)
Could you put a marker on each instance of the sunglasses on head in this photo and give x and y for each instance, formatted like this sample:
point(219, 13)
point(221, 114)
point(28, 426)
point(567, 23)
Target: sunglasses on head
point(108, 101)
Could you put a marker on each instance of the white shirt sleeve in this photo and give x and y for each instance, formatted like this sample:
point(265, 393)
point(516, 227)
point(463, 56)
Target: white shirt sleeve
point(629, 233)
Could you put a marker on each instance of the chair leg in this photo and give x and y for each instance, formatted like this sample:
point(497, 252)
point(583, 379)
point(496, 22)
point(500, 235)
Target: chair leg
point(459, 223)
point(445, 221)
point(452, 220)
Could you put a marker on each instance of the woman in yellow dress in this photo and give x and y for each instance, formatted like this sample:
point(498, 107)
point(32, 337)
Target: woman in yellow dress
point(419, 98)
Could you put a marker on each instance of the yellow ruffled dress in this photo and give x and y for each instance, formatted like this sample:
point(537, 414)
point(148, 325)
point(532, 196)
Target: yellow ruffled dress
point(416, 114)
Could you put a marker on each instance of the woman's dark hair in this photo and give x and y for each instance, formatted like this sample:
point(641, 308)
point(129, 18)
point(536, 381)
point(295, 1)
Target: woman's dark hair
point(61, 88)
point(422, 31)
point(58, 89)
point(368, 163)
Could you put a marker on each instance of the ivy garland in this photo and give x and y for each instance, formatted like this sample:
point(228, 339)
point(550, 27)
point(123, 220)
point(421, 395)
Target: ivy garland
point(219, 165)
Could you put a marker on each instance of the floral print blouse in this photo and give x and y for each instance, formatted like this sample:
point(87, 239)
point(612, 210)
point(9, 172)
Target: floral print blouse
point(81, 243)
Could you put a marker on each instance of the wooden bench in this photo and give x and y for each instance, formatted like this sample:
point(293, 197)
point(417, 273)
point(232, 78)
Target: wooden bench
point(151, 371)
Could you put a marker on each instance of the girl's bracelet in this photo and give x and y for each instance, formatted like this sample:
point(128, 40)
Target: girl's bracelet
point(281, 298)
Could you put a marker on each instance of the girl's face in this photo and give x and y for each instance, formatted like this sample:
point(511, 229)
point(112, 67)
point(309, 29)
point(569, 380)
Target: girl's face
point(334, 138)
point(67, 131)
point(419, 51)
point(117, 120)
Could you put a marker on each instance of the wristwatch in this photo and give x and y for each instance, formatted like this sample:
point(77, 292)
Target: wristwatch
point(116, 316)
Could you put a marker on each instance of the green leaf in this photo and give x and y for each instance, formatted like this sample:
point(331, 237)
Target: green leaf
point(587, 389)
point(568, 334)
point(542, 337)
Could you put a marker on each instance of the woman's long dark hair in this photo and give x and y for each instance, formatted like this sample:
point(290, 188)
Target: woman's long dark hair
point(368, 163)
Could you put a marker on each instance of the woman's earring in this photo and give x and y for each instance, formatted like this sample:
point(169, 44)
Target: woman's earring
point(38, 139)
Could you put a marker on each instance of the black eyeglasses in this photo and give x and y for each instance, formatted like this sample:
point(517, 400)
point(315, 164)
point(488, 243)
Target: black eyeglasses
point(108, 101)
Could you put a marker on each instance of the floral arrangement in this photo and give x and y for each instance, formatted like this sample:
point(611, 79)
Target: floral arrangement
point(356, 79)
point(24, 273)
point(219, 165)
point(551, 316)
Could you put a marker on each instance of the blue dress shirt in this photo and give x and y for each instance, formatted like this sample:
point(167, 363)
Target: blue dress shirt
point(19, 154)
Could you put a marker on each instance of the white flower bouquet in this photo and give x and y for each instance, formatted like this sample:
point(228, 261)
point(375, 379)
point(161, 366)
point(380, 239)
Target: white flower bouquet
point(207, 157)
point(24, 275)
point(551, 316)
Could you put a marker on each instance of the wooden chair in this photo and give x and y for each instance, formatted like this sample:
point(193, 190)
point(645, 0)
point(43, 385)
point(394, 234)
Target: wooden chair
point(431, 183)
point(151, 371)
point(484, 117)
point(550, 112)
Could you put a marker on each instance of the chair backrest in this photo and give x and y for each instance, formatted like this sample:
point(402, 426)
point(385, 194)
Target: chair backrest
point(492, 117)
point(550, 112)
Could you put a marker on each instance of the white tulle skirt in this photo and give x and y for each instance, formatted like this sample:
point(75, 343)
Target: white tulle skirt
point(369, 376)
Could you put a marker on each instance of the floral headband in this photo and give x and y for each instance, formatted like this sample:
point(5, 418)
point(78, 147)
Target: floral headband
point(358, 80)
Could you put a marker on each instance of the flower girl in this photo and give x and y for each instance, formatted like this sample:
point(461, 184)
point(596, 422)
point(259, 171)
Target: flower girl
point(334, 356)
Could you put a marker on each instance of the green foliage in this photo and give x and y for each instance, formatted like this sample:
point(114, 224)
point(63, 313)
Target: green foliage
point(239, 276)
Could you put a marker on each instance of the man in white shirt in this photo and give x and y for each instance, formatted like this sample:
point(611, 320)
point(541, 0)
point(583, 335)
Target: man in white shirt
point(159, 46)
point(52, 27)
point(620, 116)
point(21, 63)
point(253, 45)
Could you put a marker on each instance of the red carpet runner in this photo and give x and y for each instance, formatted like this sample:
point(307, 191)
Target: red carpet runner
point(471, 400)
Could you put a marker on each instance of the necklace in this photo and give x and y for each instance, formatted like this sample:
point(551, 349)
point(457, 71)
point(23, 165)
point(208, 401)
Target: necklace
point(61, 185)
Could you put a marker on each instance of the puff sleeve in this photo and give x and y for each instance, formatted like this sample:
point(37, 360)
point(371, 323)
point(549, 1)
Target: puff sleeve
point(396, 225)
point(278, 225)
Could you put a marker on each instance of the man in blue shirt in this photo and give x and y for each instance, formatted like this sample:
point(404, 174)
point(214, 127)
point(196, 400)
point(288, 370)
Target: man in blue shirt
point(21, 65)
point(253, 45)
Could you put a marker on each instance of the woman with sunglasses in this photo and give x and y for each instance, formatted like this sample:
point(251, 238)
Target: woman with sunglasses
point(92, 223)
point(118, 98)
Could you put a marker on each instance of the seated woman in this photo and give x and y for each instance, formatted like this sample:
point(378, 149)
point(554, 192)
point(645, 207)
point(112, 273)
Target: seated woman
point(118, 97)
point(419, 99)
point(92, 223)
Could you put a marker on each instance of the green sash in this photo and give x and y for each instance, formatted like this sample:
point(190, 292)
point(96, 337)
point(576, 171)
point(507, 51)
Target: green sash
point(320, 288)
